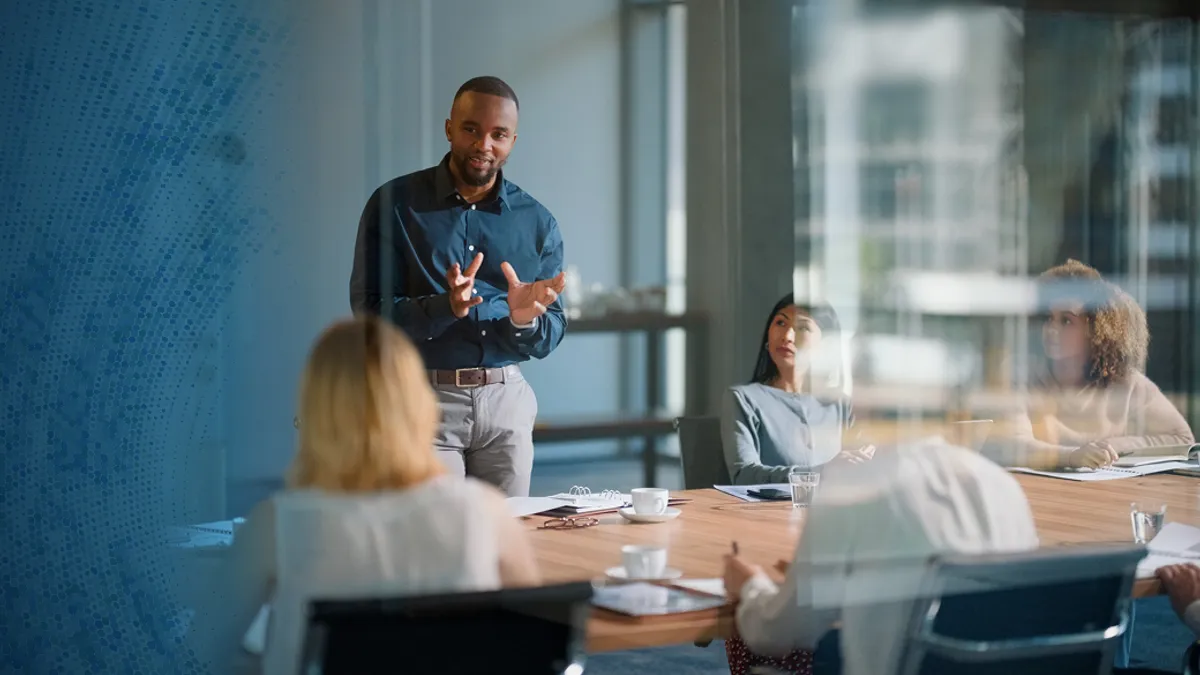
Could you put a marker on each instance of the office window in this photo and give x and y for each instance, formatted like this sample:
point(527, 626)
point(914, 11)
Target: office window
point(894, 113)
point(1174, 119)
point(895, 190)
point(984, 146)
point(1171, 198)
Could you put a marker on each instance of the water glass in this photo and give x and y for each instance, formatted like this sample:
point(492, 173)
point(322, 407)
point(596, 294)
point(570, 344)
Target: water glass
point(1147, 520)
point(804, 486)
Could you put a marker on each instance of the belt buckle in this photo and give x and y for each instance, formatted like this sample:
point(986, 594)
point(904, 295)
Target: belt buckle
point(458, 378)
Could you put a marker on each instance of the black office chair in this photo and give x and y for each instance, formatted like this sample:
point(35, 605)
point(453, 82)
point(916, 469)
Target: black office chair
point(1191, 660)
point(541, 631)
point(701, 452)
point(1045, 612)
point(702, 457)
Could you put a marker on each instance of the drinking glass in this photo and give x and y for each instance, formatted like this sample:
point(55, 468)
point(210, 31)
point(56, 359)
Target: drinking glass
point(804, 485)
point(1147, 520)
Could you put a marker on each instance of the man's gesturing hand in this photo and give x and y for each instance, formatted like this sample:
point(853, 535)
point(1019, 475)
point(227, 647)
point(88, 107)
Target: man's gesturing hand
point(528, 301)
point(462, 299)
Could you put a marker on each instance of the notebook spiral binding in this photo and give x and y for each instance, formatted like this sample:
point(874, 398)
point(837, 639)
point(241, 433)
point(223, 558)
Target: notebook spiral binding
point(584, 491)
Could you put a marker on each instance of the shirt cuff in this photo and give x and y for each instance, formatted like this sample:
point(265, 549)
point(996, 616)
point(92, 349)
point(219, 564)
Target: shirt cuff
point(521, 328)
point(759, 584)
point(437, 308)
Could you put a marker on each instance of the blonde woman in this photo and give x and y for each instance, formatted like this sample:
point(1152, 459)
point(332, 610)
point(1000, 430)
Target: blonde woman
point(369, 510)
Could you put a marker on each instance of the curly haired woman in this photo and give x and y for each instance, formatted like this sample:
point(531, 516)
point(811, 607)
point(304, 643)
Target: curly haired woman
point(1094, 404)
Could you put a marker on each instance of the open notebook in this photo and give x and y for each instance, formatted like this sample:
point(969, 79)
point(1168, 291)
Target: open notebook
point(1165, 453)
point(577, 501)
point(1176, 543)
point(1108, 472)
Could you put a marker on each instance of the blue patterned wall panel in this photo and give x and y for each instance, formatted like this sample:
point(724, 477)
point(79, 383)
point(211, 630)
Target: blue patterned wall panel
point(127, 209)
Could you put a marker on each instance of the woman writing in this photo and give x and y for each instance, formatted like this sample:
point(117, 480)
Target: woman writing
point(1092, 402)
point(864, 552)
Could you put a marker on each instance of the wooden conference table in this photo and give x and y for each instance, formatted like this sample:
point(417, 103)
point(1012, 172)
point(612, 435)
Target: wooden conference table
point(1066, 513)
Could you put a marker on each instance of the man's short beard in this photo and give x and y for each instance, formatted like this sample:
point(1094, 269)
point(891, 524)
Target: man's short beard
point(473, 179)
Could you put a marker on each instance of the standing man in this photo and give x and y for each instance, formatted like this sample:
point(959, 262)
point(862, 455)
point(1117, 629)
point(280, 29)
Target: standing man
point(443, 253)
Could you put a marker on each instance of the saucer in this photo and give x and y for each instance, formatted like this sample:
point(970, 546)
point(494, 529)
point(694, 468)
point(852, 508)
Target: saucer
point(628, 514)
point(619, 574)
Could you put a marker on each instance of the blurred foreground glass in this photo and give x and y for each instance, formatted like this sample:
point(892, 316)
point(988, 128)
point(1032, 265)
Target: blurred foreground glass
point(1147, 520)
point(946, 154)
point(804, 486)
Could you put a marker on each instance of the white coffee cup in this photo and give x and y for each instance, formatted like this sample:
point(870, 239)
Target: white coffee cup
point(644, 562)
point(650, 501)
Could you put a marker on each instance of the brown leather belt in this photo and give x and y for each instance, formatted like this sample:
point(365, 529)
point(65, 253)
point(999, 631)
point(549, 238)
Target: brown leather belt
point(467, 378)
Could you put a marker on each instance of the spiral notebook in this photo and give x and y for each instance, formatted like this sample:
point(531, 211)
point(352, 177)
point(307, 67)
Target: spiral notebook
point(580, 500)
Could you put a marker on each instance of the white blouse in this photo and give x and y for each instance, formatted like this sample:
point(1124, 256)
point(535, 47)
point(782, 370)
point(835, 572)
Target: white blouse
point(437, 537)
point(864, 547)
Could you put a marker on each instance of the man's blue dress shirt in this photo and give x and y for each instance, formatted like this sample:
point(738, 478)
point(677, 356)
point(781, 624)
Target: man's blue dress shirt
point(415, 227)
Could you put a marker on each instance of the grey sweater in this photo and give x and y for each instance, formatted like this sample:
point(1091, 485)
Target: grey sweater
point(766, 431)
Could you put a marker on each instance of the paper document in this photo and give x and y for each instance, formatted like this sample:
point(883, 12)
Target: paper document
point(1108, 472)
point(204, 535)
point(528, 506)
point(1176, 543)
point(742, 491)
point(709, 586)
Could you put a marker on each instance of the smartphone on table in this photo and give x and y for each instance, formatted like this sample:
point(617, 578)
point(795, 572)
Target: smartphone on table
point(771, 494)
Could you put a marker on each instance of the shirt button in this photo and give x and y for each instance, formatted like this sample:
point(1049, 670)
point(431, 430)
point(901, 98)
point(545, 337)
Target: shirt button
point(475, 291)
point(472, 207)
point(483, 332)
point(471, 247)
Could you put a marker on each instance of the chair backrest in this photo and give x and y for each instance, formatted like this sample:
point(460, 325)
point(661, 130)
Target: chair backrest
point(700, 449)
point(541, 631)
point(1045, 611)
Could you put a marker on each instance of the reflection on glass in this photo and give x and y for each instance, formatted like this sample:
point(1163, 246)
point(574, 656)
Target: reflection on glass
point(947, 157)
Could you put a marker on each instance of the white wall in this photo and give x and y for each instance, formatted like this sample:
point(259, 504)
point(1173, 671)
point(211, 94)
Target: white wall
point(371, 84)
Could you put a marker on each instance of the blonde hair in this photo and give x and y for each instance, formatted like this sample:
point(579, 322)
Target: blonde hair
point(367, 414)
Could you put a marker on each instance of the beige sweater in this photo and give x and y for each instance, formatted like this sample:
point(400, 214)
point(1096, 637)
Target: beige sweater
point(1130, 416)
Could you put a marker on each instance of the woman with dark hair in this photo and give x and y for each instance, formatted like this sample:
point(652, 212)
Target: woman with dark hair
point(778, 420)
point(1093, 404)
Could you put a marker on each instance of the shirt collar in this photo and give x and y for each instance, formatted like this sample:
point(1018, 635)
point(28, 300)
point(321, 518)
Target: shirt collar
point(443, 183)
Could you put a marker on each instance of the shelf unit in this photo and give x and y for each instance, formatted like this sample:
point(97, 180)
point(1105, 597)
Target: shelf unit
point(651, 424)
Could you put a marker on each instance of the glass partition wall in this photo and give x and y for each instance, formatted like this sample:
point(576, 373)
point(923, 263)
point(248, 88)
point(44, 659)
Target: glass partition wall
point(946, 156)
